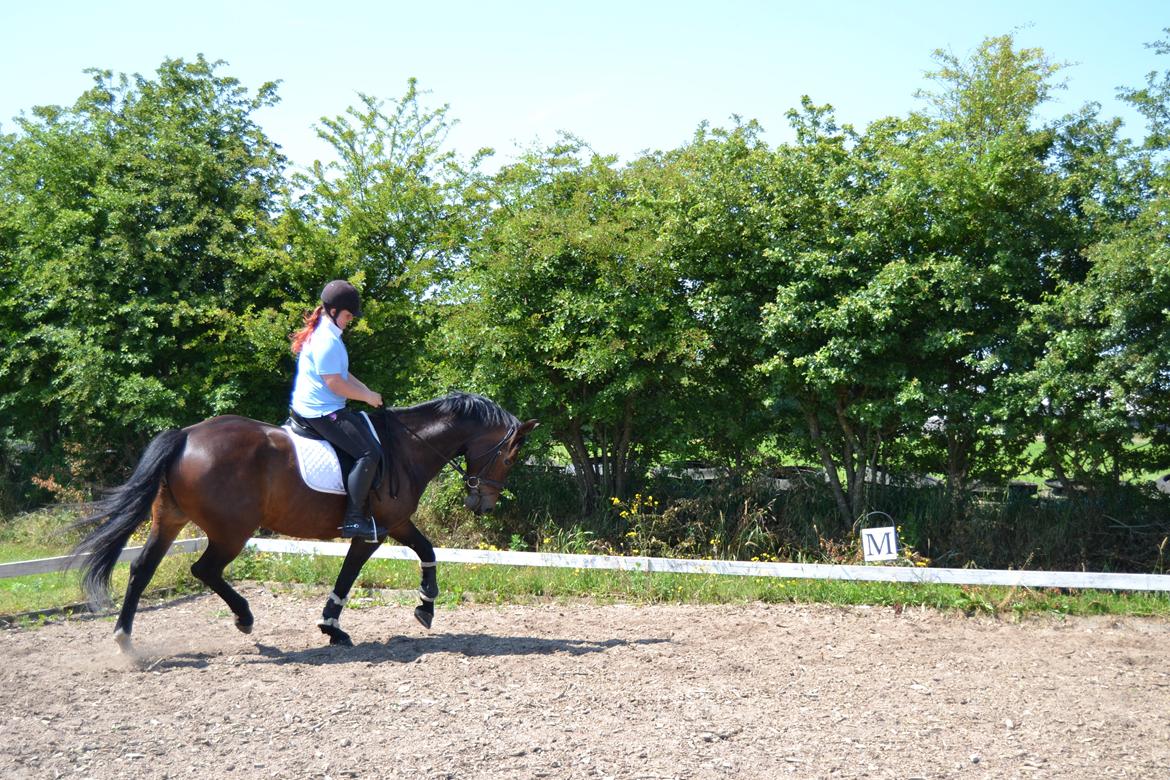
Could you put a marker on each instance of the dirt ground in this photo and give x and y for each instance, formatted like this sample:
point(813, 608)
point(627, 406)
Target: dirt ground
point(586, 691)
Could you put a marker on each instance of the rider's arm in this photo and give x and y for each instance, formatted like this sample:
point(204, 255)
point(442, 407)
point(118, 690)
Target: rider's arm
point(363, 386)
point(353, 378)
point(351, 388)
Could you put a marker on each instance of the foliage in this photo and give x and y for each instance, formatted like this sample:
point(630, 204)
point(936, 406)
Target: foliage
point(1102, 371)
point(836, 330)
point(567, 309)
point(131, 230)
point(966, 291)
point(715, 232)
point(388, 214)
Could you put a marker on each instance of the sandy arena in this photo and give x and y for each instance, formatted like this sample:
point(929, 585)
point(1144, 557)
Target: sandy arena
point(584, 691)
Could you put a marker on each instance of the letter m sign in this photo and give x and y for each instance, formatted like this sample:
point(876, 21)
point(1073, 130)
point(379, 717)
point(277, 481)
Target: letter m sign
point(879, 544)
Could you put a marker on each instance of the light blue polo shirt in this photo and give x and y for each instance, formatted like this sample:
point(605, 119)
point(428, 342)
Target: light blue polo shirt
point(323, 353)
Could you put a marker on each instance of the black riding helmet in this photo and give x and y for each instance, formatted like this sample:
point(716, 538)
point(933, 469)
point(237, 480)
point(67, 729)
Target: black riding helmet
point(340, 294)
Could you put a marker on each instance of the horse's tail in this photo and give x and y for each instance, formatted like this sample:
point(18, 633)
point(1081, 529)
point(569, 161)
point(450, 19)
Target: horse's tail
point(121, 511)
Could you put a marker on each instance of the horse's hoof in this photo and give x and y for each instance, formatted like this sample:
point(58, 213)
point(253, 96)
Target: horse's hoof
point(245, 628)
point(125, 644)
point(423, 616)
point(335, 634)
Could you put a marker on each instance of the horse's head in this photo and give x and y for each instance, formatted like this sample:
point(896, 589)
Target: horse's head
point(490, 457)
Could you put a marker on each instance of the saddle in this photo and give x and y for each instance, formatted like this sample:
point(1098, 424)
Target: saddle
point(323, 467)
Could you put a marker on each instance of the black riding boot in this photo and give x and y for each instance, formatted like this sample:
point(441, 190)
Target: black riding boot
point(357, 520)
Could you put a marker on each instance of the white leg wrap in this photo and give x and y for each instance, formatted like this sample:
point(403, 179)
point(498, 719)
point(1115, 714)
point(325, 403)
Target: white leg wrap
point(335, 599)
point(329, 623)
point(423, 596)
point(428, 564)
point(124, 642)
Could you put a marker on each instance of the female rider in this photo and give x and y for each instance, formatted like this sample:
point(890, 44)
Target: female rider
point(322, 385)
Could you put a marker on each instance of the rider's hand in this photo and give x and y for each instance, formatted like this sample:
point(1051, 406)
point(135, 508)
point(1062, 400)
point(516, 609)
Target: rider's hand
point(374, 399)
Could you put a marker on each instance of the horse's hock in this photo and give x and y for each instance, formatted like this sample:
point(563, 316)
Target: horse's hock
point(588, 691)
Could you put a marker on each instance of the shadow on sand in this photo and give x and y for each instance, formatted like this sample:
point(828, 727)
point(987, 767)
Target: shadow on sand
point(402, 649)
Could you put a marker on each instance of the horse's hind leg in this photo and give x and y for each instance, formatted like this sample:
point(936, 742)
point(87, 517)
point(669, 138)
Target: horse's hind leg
point(360, 551)
point(209, 569)
point(163, 530)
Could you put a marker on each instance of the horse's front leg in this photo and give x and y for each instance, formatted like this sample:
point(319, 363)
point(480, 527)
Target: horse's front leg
point(428, 586)
point(360, 551)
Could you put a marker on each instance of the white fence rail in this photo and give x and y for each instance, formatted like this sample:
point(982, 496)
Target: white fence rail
point(65, 562)
point(1029, 579)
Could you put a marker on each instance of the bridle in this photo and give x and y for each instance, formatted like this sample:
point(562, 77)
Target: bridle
point(472, 482)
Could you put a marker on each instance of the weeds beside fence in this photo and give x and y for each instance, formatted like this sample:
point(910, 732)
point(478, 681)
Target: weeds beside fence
point(1121, 529)
point(1124, 529)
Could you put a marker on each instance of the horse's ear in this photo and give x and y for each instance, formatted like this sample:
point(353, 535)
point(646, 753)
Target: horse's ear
point(527, 428)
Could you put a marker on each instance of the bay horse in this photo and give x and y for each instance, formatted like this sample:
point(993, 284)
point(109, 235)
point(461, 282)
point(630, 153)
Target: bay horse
point(232, 475)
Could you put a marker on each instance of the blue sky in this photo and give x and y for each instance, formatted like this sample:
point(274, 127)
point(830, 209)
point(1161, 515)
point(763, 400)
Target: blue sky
point(624, 76)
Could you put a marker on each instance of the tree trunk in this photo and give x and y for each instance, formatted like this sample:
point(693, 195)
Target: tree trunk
point(814, 429)
point(1053, 454)
point(958, 467)
point(854, 460)
point(872, 445)
point(582, 467)
point(621, 454)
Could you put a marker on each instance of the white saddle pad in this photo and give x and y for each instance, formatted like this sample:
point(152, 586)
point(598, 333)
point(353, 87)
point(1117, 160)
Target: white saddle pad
point(317, 461)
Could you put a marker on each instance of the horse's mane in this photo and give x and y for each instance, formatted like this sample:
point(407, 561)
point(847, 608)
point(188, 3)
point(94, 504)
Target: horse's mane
point(469, 406)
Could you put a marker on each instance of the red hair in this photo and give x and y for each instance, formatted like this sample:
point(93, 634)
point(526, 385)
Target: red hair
point(301, 336)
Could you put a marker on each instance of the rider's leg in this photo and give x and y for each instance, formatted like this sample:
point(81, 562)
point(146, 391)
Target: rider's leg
point(348, 431)
point(357, 522)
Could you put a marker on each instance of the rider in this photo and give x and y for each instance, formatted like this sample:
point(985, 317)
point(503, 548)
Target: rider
point(322, 385)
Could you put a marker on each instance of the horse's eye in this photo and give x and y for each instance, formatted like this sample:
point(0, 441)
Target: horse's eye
point(507, 461)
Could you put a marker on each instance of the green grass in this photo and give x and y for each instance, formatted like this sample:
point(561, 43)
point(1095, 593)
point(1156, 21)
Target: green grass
point(23, 551)
point(1034, 451)
point(43, 535)
point(482, 583)
point(55, 590)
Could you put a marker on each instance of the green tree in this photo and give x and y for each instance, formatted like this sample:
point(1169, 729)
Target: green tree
point(841, 331)
point(132, 226)
point(910, 256)
point(1103, 376)
point(714, 233)
point(568, 310)
point(992, 241)
point(388, 214)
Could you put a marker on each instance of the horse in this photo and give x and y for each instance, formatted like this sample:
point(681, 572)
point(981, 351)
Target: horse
point(232, 475)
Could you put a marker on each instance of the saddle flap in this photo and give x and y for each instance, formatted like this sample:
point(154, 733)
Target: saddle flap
point(317, 462)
